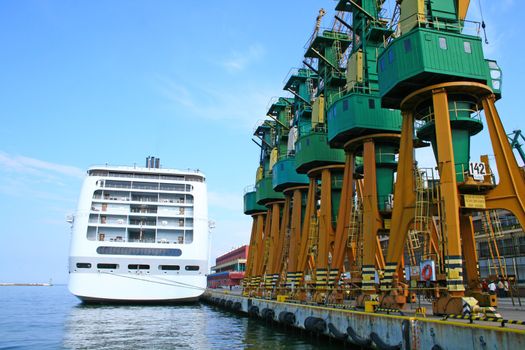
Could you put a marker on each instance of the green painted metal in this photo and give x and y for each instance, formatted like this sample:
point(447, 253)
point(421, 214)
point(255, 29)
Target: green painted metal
point(326, 47)
point(250, 204)
point(312, 150)
point(337, 186)
point(514, 139)
point(356, 111)
point(386, 164)
point(359, 114)
point(302, 81)
point(285, 175)
point(464, 124)
point(264, 192)
point(424, 57)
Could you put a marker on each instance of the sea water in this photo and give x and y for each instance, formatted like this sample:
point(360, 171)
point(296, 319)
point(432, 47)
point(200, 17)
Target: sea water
point(52, 318)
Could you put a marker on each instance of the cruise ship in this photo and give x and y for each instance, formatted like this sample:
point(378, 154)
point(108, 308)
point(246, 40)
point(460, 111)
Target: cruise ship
point(140, 235)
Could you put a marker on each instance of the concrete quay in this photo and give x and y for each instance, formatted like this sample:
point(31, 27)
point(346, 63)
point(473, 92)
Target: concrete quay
point(382, 329)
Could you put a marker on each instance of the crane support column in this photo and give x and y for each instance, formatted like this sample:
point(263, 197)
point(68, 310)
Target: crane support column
point(404, 200)
point(510, 191)
point(449, 194)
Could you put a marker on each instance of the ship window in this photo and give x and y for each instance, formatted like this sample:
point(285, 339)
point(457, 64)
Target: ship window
point(381, 64)
point(345, 105)
point(371, 103)
point(443, 43)
point(83, 265)
point(466, 47)
point(408, 45)
point(138, 267)
point(169, 267)
point(192, 268)
point(139, 251)
point(390, 56)
point(107, 266)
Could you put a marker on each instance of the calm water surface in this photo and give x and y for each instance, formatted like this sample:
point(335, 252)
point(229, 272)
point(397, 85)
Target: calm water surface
point(51, 318)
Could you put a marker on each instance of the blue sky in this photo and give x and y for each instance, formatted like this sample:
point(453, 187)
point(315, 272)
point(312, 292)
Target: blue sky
point(94, 82)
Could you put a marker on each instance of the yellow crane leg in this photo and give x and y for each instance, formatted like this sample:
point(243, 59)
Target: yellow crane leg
point(343, 218)
point(274, 243)
point(371, 218)
point(404, 200)
point(510, 192)
point(295, 235)
point(325, 223)
point(258, 256)
point(449, 192)
point(309, 212)
point(282, 241)
point(469, 253)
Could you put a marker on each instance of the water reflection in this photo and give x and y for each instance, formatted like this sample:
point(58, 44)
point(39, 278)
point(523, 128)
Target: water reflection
point(136, 327)
point(194, 326)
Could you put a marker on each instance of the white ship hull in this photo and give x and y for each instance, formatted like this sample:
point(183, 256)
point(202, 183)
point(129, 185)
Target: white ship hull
point(140, 235)
point(135, 289)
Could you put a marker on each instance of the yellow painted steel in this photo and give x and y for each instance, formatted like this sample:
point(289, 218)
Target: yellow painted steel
point(318, 111)
point(259, 174)
point(510, 192)
point(274, 156)
point(257, 249)
point(295, 228)
point(412, 12)
point(283, 242)
point(462, 6)
point(448, 185)
point(308, 214)
point(345, 210)
point(326, 230)
point(404, 199)
point(274, 242)
point(469, 253)
point(354, 69)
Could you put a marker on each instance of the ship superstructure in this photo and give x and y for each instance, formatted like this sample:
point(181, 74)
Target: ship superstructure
point(140, 234)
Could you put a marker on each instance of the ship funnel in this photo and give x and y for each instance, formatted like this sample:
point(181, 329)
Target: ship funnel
point(152, 162)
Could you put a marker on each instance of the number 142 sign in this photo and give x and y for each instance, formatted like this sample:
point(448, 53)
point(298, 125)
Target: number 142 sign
point(478, 171)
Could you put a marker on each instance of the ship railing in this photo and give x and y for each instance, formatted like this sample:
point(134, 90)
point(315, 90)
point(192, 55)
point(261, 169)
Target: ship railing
point(421, 21)
point(301, 72)
point(327, 33)
point(426, 115)
point(142, 211)
point(286, 156)
point(386, 157)
point(308, 129)
point(250, 188)
point(145, 187)
point(361, 88)
point(113, 185)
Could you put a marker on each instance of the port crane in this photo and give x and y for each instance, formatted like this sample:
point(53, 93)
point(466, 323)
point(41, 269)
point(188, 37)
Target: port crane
point(340, 207)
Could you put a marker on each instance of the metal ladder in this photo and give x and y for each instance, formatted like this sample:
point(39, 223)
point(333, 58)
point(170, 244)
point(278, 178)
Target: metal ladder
point(492, 235)
point(313, 236)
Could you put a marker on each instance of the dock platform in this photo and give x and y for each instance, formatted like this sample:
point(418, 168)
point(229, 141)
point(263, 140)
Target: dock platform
point(383, 328)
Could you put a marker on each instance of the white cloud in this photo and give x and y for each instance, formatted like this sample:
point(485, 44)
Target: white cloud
point(238, 61)
point(177, 93)
point(26, 165)
point(26, 177)
point(241, 105)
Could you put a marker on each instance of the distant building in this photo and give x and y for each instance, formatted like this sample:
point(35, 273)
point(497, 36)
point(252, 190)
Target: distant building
point(500, 244)
point(229, 269)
